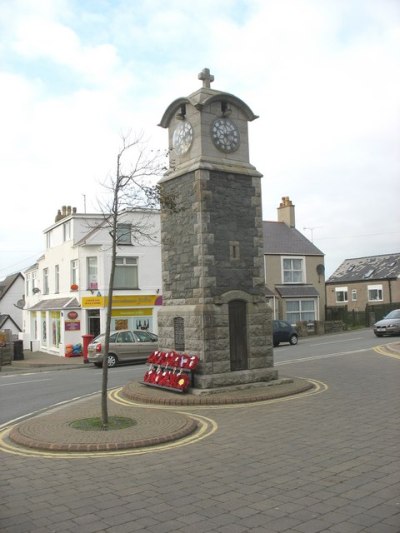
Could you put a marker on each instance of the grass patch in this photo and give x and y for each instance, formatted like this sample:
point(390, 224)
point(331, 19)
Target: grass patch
point(95, 423)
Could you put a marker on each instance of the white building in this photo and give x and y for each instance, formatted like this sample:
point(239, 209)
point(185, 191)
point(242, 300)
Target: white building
point(66, 290)
point(12, 302)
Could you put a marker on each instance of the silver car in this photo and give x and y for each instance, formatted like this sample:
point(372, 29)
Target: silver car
point(390, 325)
point(125, 346)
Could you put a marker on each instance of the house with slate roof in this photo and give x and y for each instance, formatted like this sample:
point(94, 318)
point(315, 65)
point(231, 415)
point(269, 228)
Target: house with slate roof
point(294, 270)
point(365, 281)
point(12, 302)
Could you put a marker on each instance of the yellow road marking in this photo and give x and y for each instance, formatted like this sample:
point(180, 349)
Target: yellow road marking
point(206, 427)
point(382, 351)
point(319, 386)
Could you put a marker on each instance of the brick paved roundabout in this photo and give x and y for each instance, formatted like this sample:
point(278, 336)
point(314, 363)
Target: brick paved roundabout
point(53, 431)
point(326, 460)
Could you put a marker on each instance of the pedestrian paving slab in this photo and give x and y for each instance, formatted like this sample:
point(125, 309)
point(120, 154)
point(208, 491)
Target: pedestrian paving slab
point(325, 462)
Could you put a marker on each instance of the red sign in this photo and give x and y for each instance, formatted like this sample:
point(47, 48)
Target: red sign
point(72, 326)
point(72, 315)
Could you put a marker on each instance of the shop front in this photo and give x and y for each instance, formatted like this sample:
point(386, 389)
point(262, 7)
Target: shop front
point(135, 312)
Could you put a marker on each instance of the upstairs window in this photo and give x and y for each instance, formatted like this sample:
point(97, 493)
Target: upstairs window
point(126, 273)
point(67, 231)
point(74, 272)
point(293, 270)
point(354, 295)
point(92, 273)
point(45, 281)
point(341, 294)
point(124, 234)
point(57, 279)
point(375, 293)
point(34, 283)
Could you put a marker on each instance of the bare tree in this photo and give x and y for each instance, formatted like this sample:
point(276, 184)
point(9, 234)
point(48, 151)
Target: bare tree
point(132, 189)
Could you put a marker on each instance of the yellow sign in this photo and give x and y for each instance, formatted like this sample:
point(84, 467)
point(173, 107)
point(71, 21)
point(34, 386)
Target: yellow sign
point(93, 301)
point(133, 300)
point(139, 311)
point(120, 301)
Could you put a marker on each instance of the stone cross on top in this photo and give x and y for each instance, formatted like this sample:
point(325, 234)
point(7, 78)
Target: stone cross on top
point(206, 77)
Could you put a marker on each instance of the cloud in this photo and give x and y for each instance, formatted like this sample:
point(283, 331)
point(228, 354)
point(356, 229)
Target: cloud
point(324, 78)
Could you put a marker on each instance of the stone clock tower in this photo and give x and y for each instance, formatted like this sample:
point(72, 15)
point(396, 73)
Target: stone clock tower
point(212, 247)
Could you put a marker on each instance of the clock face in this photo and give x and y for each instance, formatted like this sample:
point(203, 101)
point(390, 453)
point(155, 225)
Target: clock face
point(225, 135)
point(182, 137)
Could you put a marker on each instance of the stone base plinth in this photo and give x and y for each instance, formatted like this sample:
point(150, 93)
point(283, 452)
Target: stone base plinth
point(240, 377)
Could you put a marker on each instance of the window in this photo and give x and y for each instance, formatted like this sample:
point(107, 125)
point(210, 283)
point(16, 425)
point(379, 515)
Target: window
point(300, 310)
point(57, 279)
point(375, 293)
point(45, 281)
point(124, 233)
point(341, 294)
point(292, 270)
point(34, 283)
point(67, 231)
point(92, 273)
point(369, 273)
point(126, 273)
point(354, 295)
point(74, 272)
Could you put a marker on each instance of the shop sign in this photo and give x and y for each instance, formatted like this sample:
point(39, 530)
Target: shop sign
point(93, 301)
point(72, 325)
point(139, 311)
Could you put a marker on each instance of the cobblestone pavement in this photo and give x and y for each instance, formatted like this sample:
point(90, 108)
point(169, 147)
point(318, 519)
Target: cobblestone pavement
point(324, 460)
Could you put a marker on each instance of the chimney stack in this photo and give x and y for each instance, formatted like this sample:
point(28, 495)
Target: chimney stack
point(65, 211)
point(286, 212)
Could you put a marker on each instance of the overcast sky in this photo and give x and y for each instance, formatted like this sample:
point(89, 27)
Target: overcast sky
point(323, 76)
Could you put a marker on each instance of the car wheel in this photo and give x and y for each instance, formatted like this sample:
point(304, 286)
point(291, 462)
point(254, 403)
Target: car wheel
point(98, 365)
point(276, 344)
point(293, 339)
point(111, 360)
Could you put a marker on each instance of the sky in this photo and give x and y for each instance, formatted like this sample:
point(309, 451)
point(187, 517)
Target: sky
point(322, 75)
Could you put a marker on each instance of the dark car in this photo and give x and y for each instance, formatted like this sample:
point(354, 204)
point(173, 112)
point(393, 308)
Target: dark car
point(390, 325)
point(284, 332)
point(125, 347)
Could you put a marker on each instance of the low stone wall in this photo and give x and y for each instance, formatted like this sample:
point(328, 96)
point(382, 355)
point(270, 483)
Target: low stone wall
point(319, 327)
